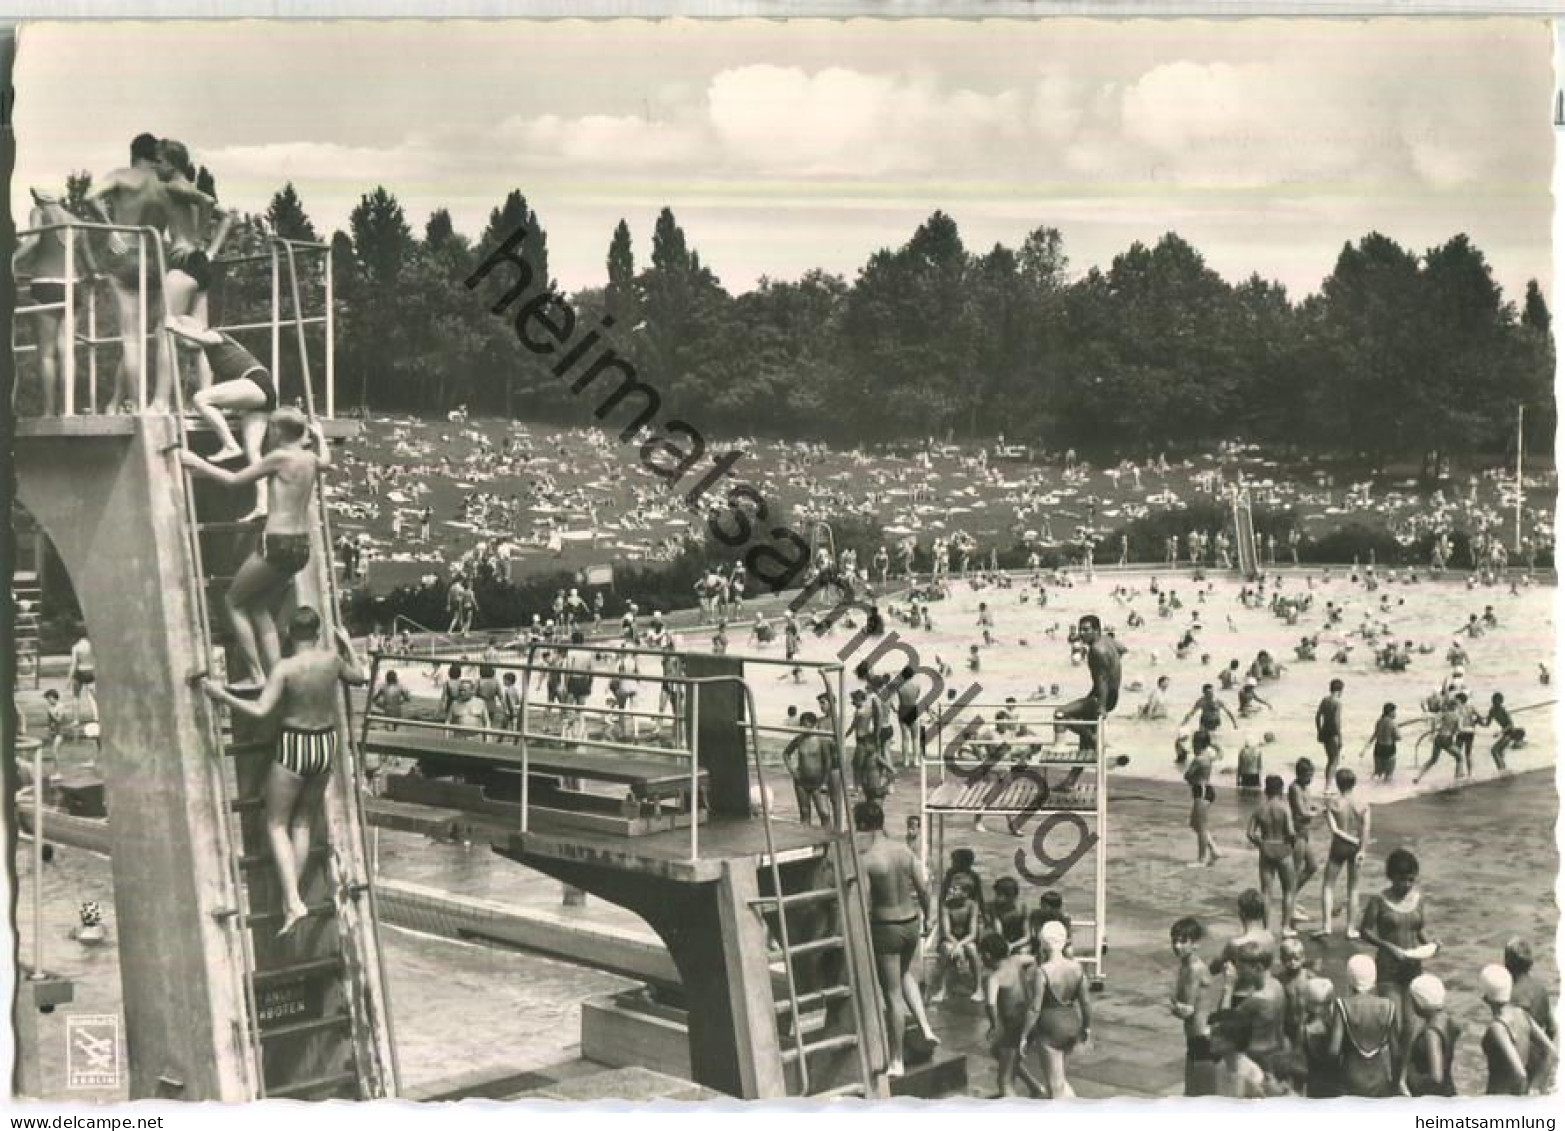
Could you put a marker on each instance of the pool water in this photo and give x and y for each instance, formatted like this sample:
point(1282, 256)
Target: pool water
point(1030, 652)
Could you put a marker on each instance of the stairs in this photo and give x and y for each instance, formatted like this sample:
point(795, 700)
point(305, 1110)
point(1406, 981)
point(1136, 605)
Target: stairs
point(817, 924)
point(820, 1029)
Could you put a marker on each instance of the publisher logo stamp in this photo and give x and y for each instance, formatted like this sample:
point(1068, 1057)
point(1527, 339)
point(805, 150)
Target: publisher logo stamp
point(92, 1051)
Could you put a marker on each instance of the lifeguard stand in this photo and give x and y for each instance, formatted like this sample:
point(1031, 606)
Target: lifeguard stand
point(1019, 778)
point(215, 1007)
point(766, 921)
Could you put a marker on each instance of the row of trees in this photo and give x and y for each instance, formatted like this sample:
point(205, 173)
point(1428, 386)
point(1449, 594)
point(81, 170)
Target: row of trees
point(1398, 354)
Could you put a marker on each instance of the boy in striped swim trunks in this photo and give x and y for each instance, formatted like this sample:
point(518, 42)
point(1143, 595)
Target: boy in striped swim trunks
point(302, 692)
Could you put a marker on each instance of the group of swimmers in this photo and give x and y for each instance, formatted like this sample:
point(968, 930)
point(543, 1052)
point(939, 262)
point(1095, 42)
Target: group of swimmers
point(1264, 1019)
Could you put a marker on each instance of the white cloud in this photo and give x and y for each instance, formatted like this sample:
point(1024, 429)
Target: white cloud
point(1274, 140)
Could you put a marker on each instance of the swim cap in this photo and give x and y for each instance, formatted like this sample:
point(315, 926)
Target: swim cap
point(1495, 981)
point(1054, 935)
point(1318, 991)
point(1362, 972)
point(1427, 992)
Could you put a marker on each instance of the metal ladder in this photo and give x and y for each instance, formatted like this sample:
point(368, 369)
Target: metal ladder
point(269, 1045)
point(846, 885)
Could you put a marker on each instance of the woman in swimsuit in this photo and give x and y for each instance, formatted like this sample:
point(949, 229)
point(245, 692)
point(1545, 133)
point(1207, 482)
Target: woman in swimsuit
point(1393, 923)
point(1060, 1014)
point(1365, 1031)
point(1319, 1041)
point(1430, 1056)
point(241, 384)
point(1516, 1049)
point(42, 256)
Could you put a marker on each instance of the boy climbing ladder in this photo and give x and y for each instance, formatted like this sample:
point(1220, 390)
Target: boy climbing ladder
point(298, 453)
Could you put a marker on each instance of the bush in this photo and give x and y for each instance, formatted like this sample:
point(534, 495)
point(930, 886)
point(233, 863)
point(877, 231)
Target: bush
point(1149, 535)
point(1356, 542)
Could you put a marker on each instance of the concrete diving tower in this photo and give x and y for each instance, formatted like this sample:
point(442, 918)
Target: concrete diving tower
point(765, 920)
point(215, 1008)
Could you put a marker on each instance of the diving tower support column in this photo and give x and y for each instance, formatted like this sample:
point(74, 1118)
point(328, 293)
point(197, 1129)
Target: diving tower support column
point(107, 492)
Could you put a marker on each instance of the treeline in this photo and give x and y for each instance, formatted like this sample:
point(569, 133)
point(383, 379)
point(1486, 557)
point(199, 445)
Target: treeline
point(1397, 355)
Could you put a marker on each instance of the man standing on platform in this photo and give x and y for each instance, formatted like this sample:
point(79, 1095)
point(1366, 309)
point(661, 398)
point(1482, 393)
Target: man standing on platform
point(138, 197)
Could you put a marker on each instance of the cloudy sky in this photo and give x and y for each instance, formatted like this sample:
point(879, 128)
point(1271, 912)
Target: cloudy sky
point(786, 146)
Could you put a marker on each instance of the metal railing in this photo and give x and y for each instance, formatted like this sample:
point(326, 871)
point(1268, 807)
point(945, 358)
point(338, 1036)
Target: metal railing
point(67, 307)
point(149, 246)
point(682, 736)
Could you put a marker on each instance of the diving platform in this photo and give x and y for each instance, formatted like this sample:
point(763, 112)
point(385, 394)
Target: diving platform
point(667, 815)
point(216, 1006)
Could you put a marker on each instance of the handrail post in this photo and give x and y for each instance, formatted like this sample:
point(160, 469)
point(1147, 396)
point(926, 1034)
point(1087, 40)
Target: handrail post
point(331, 338)
point(38, 932)
point(527, 679)
point(695, 769)
point(1100, 904)
point(277, 332)
point(69, 360)
point(141, 303)
point(92, 348)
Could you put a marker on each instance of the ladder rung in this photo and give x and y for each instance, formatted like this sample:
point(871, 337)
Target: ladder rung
point(251, 527)
point(247, 804)
point(296, 971)
point(826, 1044)
point(315, 1024)
point(817, 997)
point(830, 942)
point(241, 749)
point(312, 1084)
point(316, 911)
point(257, 859)
point(814, 895)
point(854, 1089)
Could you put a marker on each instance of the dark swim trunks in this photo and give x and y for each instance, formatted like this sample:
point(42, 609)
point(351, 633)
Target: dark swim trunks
point(286, 553)
point(47, 291)
point(230, 361)
point(193, 262)
point(899, 938)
